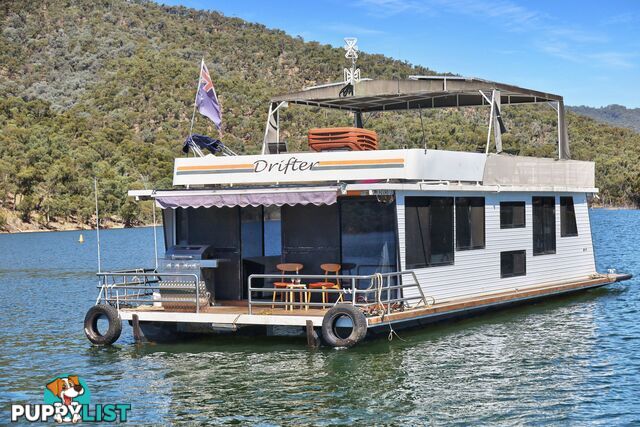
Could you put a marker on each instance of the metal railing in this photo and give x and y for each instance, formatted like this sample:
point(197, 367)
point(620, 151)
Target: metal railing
point(145, 286)
point(375, 293)
point(382, 291)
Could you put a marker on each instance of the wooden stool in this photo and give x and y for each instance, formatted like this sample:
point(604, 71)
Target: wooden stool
point(284, 269)
point(328, 268)
point(291, 296)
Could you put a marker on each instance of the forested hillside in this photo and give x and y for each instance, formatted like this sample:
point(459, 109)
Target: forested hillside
point(105, 88)
point(617, 115)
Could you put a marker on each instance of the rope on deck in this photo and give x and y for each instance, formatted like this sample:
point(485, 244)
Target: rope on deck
point(378, 282)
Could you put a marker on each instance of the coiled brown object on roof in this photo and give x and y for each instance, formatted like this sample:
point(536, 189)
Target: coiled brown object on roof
point(343, 138)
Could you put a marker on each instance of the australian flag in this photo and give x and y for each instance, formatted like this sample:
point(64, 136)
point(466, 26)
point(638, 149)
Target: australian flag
point(206, 99)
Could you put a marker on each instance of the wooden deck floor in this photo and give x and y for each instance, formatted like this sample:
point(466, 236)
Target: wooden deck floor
point(478, 301)
point(235, 307)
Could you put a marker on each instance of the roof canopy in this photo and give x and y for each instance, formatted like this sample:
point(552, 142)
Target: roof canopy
point(417, 92)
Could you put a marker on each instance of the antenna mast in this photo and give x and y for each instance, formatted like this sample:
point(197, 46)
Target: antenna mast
point(351, 75)
point(95, 189)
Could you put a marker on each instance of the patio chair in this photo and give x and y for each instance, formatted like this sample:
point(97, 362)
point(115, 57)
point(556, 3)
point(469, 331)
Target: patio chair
point(285, 268)
point(327, 284)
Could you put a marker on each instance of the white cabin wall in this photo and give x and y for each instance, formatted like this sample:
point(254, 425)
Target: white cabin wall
point(478, 271)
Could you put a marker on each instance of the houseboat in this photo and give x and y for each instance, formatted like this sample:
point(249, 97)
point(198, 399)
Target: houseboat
point(346, 240)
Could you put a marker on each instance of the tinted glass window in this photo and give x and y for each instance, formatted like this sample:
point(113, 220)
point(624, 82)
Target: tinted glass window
point(568, 226)
point(513, 263)
point(469, 223)
point(217, 227)
point(512, 215)
point(368, 236)
point(251, 233)
point(182, 226)
point(544, 225)
point(311, 236)
point(428, 231)
point(272, 231)
point(220, 229)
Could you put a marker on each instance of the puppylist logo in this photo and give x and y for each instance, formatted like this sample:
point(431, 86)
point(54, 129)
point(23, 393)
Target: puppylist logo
point(67, 400)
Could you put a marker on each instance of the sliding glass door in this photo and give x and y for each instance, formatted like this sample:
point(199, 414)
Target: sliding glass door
point(368, 229)
point(311, 236)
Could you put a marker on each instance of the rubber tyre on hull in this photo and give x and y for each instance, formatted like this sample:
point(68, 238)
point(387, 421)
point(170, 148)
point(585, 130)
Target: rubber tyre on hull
point(91, 324)
point(358, 331)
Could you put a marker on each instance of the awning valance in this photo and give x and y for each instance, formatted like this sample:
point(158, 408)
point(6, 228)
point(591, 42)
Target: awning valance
point(247, 199)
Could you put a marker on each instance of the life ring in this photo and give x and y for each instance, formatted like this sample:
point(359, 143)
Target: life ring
point(344, 326)
point(91, 324)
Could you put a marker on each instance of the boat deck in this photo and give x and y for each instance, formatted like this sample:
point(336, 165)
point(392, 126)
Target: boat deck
point(478, 302)
point(229, 313)
point(231, 307)
point(236, 313)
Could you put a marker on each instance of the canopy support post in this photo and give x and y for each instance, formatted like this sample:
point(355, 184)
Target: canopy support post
point(357, 119)
point(493, 121)
point(155, 235)
point(491, 116)
point(563, 135)
point(497, 132)
point(272, 129)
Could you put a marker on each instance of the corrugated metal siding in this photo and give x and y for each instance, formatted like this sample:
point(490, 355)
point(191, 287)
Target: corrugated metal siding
point(478, 271)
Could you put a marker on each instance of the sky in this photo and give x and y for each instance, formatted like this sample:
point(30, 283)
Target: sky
point(586, 51)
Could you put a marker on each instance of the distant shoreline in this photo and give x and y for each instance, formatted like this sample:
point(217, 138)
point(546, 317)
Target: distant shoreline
point(54, 229)
point(114, 225)
point(12, 223)
point(616, 208)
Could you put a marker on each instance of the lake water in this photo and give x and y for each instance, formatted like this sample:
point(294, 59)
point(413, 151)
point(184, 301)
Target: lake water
point(572, 360)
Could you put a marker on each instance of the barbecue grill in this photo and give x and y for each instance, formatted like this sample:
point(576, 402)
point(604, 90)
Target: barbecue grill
point(189, 259)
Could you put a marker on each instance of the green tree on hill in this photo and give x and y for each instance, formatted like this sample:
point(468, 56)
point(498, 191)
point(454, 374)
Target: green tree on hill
point(106, 89)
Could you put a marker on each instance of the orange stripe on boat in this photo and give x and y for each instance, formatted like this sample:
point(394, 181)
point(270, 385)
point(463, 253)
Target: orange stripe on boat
point(214, 167)
point(360, 162)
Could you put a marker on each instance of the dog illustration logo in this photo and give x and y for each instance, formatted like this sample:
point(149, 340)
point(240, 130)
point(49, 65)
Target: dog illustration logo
point(67, 400)
point(68, 391)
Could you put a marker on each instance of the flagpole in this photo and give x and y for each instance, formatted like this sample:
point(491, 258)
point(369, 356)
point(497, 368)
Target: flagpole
point(195, 100)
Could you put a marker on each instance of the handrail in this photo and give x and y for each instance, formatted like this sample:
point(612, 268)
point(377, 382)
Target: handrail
point(352, 291)
point(137, 285)
point(131, 281)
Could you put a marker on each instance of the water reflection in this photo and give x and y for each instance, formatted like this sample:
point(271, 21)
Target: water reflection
point(569, 360)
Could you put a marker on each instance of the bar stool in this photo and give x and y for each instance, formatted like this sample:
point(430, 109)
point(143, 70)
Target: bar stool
point(290, 297)
point(328, 268)
point(285, 268)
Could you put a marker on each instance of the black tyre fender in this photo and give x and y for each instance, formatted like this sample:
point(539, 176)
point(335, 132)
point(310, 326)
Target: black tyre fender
point(331, 317)
point(91, 324)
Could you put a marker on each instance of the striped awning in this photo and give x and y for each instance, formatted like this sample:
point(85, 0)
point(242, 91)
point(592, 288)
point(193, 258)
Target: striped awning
point(272, 198)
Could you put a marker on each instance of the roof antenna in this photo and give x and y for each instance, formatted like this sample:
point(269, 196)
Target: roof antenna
point(351, 75)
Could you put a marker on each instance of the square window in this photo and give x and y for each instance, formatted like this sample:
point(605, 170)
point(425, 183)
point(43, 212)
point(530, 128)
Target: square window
point(513, 263)
point(512, 215)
